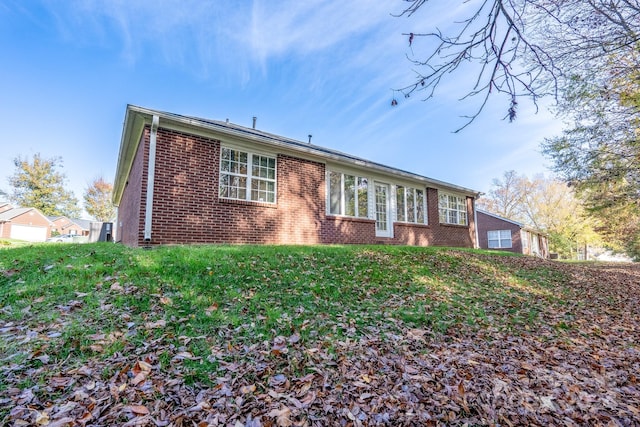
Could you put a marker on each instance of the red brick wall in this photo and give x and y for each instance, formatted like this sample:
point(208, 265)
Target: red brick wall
point(186, 207)
point(301, 200)
point(343, 230)
point(490, 223)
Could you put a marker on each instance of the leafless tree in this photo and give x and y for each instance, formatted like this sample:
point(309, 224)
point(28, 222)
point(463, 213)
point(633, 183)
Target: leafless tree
point(522, 48)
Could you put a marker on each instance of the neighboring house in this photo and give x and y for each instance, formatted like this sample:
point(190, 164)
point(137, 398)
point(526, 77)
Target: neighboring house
point(24, 224)
point(64, 225)
point(184, 179)
point(496, 232)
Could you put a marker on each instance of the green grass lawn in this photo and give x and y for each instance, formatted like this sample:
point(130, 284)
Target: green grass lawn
point(243, 315)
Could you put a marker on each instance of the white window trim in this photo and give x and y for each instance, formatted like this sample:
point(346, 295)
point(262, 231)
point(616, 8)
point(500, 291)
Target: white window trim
point(342, 195)
point(395, 204)
point(249, 174)
point(500, 239)
point(445, 220)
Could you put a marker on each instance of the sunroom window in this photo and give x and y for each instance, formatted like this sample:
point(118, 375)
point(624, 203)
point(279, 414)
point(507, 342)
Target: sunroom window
point(410, 205)
point(348, 195)
point(452, 209)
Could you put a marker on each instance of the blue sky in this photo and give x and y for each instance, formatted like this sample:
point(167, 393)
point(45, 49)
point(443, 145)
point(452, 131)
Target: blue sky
point(325, 68)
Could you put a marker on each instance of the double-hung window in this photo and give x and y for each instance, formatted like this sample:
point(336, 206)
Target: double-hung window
point(247, 176)
point(348, 195)
point(452, 209)
point(499, 239)
point(410, 205)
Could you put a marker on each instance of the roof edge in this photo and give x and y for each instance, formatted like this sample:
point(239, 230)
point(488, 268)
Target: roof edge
point(137, 117)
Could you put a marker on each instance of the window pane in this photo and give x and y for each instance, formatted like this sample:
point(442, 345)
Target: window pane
point(462, 218)
point(242, 164)
point(262, 191)
point(400, 208)
point(505, 238)
point(363, 198)
point(420, 206)
point(262, 167)
point(224, 186)
point(335, 192)
point(442, 202)
point(350, 195)
point(411, 205)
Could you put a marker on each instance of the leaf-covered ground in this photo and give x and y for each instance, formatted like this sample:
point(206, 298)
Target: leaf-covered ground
point(314, 336)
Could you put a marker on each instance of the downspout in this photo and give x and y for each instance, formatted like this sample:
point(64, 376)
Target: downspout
point(476, 245)
point(151, 178)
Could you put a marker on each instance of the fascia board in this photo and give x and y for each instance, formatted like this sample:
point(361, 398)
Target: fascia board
point(131, 133)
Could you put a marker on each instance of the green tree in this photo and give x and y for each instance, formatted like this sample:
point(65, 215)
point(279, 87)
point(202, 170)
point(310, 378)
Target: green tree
point(97, 200)
point(545, 204)
point(39, 184)
point(600, 152)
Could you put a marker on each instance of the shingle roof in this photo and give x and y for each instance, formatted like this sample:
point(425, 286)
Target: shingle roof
point(519, 224)
point(12, 213)
point(84, 223)
point(137, 117)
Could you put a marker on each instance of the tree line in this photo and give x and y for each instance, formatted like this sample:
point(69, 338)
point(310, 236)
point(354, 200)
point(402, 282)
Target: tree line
point(548, 205)
point(38, 182)
point(583, 54)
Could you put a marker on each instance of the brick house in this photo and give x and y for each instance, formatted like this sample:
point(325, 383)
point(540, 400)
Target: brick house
point(496, 232)
point(64, 225)
point(24, 224)
point(183, 179)
point(4, 206)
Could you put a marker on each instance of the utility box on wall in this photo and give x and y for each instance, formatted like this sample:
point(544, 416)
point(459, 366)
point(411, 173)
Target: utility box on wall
point(101, 232)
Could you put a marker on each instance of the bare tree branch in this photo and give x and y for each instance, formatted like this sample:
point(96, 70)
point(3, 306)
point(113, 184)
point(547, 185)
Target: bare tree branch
point(521, 48)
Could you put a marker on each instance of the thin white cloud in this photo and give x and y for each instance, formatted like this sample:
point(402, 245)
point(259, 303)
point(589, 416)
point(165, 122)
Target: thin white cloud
point(284, 27)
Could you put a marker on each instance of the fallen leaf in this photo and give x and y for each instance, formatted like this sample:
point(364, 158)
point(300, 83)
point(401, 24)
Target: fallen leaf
point(248, 389)
point(282, 416)
point(42, 419)
point(138, 409)
point(155, 325)
point(185, 355)
point(213, 307)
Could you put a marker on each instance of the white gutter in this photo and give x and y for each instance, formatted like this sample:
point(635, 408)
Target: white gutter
point(151, 171)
